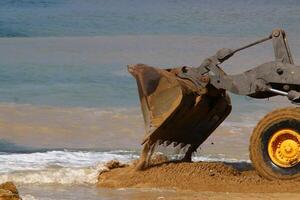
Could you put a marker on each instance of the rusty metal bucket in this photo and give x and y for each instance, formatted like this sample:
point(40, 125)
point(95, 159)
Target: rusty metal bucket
point(173, 109)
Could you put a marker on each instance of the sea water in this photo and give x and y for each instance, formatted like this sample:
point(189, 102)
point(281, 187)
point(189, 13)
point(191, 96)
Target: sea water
point(68, 104)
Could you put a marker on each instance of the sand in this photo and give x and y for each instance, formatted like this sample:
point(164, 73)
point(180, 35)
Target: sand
point(8, 191)
point(205, 180)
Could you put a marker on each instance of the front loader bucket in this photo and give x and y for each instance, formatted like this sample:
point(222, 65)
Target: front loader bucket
point(172, 108)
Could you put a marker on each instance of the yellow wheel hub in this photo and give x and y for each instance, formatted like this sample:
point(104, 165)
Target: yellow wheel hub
point(284, 148)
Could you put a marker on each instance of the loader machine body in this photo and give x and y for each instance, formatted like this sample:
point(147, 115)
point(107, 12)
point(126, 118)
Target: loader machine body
point(185, 105)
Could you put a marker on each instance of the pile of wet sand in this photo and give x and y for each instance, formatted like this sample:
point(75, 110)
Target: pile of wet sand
point(8, 191)
point(197, 176)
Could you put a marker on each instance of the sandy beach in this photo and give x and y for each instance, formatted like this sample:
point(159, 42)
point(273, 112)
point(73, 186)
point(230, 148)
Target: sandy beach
point(200, 180)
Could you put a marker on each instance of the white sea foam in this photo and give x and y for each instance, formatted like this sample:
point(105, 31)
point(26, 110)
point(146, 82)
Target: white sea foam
point(87, 175)
point(28, 197)
point(68, 167)
point(71, 159)
point(220, 158)
point(61, 167)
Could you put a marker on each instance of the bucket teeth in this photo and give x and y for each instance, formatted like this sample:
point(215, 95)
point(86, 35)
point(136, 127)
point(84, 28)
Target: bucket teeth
point(160, 142)
point(175, 144)
point(182, 145)
point(168, 143)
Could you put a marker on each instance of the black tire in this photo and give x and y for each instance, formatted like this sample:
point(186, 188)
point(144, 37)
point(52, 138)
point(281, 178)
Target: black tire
point(287, 118)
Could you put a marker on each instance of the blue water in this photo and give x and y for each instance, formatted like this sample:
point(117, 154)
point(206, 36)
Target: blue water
point(87, 86)
point(31, 18)
point(63, 72)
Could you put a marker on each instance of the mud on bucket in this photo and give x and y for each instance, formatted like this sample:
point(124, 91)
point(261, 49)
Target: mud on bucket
point(173, 110)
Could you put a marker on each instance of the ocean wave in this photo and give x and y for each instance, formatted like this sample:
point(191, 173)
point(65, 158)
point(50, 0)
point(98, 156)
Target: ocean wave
point(58, 167)
point(220, 158)
point(28, 197)
point(12, 162)
point(87, 175)
point(64, 167)
point(70, 168)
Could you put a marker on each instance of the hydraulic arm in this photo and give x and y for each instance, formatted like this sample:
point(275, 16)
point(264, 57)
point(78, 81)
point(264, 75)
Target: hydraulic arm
point(279, 77)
